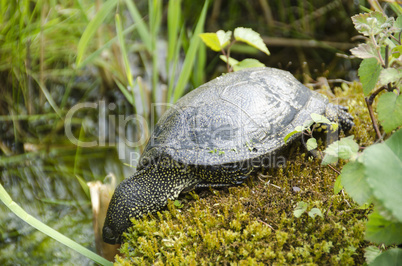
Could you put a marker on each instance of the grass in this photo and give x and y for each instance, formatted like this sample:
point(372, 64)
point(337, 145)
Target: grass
point(254, 223)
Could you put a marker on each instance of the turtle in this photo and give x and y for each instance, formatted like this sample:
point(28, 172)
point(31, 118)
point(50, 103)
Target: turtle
point(215, 136)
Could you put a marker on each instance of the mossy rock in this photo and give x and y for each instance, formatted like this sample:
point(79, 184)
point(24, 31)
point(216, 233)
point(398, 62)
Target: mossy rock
point(254, 223)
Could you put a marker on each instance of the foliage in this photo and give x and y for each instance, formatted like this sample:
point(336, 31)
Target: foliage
point(374, 175)
point(220, 40)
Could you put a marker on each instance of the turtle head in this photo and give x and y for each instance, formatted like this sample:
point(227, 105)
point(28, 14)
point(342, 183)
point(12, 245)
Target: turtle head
point(147, 191)
point(130, 200)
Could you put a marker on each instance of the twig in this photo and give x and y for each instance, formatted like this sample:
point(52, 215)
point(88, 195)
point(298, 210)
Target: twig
point(266, 224)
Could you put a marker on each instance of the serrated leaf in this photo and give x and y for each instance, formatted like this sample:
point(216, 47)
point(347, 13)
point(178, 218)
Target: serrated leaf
point(250, 37)
point(390, 75)
point(364, 50)
point(211, 40)
point(345, 148)
point(379, 230)
point(311, 144)
point(370, 23)
point(383, 164)
point(370, 253)
point(389, 110)
point(391, 257)
point(247, 63)
point(320, 119)
point(338, 185)
point(315, 212)
point(369, 71)
point(232, 61)
point(301, 207)
point(355, 183)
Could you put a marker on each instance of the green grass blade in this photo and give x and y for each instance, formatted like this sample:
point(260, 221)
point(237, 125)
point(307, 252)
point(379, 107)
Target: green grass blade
point(90, 30)
point(96, 54)
point(32, 221)
point(143, 31)
point(119, 30)
point(174, 16)
point(190, 56)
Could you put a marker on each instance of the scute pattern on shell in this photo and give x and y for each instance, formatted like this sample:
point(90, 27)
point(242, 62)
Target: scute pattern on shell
point(235, 117)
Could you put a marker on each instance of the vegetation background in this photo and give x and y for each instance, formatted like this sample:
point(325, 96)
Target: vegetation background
point(56, 54)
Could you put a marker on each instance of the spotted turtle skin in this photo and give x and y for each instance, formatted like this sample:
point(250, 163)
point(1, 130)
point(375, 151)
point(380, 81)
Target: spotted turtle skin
point(216, 135)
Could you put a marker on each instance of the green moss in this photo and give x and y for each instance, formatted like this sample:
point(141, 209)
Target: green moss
point(254, 223)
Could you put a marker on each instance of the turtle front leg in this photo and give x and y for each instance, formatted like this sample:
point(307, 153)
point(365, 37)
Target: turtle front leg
point(222, 176)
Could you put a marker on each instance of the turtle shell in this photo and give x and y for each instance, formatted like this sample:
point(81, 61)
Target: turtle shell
point(235, 117)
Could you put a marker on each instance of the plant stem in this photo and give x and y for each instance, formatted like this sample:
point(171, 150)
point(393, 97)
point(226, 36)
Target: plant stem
point(369, 101)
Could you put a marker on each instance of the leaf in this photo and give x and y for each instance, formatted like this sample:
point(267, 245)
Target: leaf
point(390, 75)
point(216, 41)
point(391, 257)
point(320, 119)
point(355, 183)
point(301, 207)
point(398, 24)
point(298, 129)
point(311, 144)
point(251, 37)
point(247, 63)
point(232, 61)
point(338, 185)
point(389, 110)
point(370, 23)
point(370, 253)
point(224, 37)
point(379, 230)
point(369, 71)
point(383, 164)
point(314, 212)
point(345, 148)
point(364, 50)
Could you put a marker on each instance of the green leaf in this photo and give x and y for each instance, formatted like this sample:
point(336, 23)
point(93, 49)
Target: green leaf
point(250, 37)
point(383, 164)
point(232, 61)
point(338, 185)
point(370, 23)
point(369, 71)
point(247, 63)
point(298, 129)
point(216, 41)
point(345, 148)
point(379, 230)
point(398, 23)
point(314, 212)
point(224, 37)
point(311, 144)
point(320, 119)
point(390, 111)
point(211, 40)
point(364, 50)
point(391, 257)
point(301, 207)
point(370, 253)
point(390, 75)
point(355, 183)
